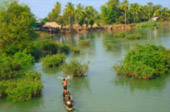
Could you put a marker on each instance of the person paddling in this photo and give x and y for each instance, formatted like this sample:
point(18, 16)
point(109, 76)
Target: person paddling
point(64, 83)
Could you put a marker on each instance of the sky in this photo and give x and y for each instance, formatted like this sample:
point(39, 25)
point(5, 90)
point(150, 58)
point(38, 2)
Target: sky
point(41, 8)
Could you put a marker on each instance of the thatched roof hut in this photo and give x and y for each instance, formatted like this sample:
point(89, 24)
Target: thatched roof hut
point(52, 25)
point(95, 25)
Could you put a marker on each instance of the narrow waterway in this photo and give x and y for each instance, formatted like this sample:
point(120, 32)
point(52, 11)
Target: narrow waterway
point(101, 90)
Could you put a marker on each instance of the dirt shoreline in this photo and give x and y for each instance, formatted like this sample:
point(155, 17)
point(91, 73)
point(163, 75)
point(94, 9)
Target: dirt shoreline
point(83, 30)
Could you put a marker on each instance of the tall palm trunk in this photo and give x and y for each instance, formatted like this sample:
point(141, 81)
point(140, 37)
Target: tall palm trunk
point(125, 17)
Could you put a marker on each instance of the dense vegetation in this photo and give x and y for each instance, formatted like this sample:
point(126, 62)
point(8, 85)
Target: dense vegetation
point(148, 24)
point(84, 43)
point(76, 50)
point(12, 66)
point(75, 68)
point(22, 89)
point(53, 60)
point(128, 36)
point(145, 62)
point(18, 53)
point(113, 11)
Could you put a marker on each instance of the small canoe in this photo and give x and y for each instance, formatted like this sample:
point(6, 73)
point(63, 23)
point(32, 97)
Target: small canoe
point(68, 102)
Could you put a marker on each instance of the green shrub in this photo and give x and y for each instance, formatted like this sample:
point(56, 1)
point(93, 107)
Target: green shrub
point(3, 87)
point(76, 50)
point(53, 60)
point(22, 89)
point(145, 62)
point(11, 66)
point(133, 36)
point(84, 42)
point(64, 48)
point(48, 47)
point(34, 50)
point(25, 88)
point(130, 36)
point(75, 68)
point(109, 46)
point(148, 24)
point(120, 35)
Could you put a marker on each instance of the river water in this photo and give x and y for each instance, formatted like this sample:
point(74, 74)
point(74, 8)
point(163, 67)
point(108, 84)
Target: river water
point(101, 90)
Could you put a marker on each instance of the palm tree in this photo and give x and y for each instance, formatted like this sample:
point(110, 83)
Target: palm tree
point(165, 14)
point(90, 13)
point(125, 5)
point(55, 12)
point(69, 11)
point(157, 10)
point(150, 9)
point(80, 14)
point(135, 10)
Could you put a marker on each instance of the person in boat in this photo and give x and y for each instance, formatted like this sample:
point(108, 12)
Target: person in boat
point(69, 104)
point(65, 92)
point(64, 83)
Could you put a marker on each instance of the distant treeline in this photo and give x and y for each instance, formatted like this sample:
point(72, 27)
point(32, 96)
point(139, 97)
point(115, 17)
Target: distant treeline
point(112, 12)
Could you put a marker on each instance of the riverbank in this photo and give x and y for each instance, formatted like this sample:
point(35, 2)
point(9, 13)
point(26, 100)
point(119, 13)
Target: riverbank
point(114, 27)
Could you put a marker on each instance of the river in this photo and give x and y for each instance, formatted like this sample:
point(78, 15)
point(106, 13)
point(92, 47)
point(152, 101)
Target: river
point(102, 90)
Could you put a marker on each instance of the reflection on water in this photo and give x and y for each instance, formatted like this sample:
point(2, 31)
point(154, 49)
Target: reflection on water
point(53, 70)
point(144, 85)
point(101, 90)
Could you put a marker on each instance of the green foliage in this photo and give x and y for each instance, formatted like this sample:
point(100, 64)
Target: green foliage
point(90, 13)
point(76, 50)
point(84, 43)
point(109, 46)
point(16, 23)
point(91, 22)
point(133, 36)
point(145, 62)
point(63, 48)
point(109, 11)
point(129, 36)
point(69, 13)
point(35, 51)
point(22, 89)
point(148, 24)
point(80, 14)
point(120, 35)
point(75, 68)
point(11, 66)
point(53, 60)
point(48, 47)
point(55, 12)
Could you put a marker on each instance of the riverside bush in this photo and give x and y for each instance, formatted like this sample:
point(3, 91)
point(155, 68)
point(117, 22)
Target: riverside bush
point(145, 62)
point(133, 36)
point(75, 68)
point(64, 48)
point(120, 35)
point(84, 42)
point(11, 66)
point(48, 47)
point(53, 60)
point(22, 89)
point(148, 24)
point(129, 36)
point(109, 46)
point(76, 50)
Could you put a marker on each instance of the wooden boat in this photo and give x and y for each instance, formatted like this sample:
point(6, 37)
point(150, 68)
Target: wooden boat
point(68, 102)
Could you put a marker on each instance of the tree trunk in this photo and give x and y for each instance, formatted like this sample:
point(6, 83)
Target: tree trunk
point(125, 17)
